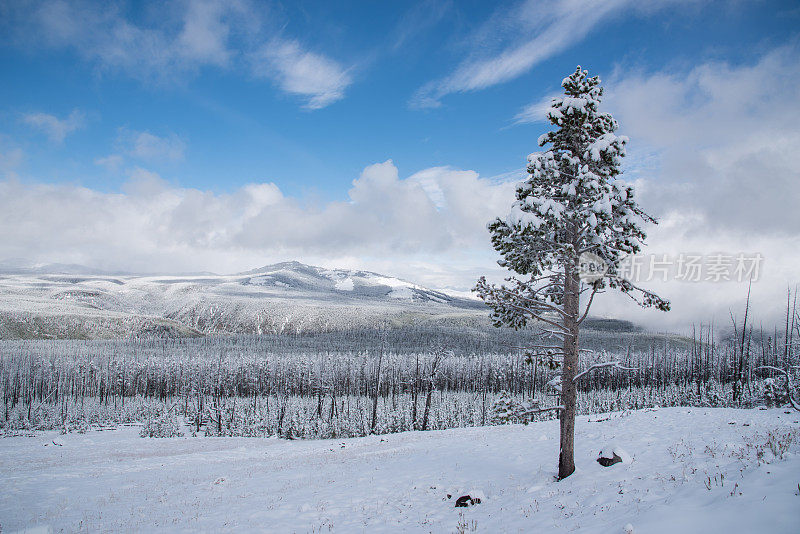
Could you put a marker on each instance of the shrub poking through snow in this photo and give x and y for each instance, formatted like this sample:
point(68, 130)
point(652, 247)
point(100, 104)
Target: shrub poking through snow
point(162, 426)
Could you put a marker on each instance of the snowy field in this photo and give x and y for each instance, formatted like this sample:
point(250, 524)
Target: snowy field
point(691, 470)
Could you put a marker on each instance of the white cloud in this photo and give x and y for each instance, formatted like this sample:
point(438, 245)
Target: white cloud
point(205, 32)
point(152, 225)
point(10, 159)
point(688, 233)
point(713, 150)
point(56, 129)
point(418, 19)
point(189, 36)
point(148, 147)
point(112, 162)
point(298, 71)
point(722, 138)
point(429, 227)
point(535, 111)
point(177, 40)
point(712, 154)
point(529, 33)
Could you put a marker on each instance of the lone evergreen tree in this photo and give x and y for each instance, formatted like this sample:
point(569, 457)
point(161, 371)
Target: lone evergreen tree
point(571, 204)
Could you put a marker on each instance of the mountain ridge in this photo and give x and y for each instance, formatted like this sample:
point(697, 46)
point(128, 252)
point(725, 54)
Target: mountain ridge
point(281, 298)
point(286, 297)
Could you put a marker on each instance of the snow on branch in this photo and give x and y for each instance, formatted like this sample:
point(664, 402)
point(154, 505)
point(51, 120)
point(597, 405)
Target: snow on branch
point(536, 410)
point(773, 368)
point(616, 364)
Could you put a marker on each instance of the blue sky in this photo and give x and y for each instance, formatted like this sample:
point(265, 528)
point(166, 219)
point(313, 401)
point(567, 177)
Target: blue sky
point(210, 135)
point(234, 128)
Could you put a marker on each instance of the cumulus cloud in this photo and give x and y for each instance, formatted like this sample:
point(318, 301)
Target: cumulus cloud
point(722, 139)
point(711, 155)
point(155, 226)
point(515, 40)
point(715, 141)
point(429, 227)
point(680, 232)
point(177, 40)
point(713, 151)
point(53, 127)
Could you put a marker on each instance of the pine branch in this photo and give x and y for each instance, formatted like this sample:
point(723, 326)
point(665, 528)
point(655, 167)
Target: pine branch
point(588, 305)
point(545, 305)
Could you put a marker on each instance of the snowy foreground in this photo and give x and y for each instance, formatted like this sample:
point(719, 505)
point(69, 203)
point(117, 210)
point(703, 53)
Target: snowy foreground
point(692, 470)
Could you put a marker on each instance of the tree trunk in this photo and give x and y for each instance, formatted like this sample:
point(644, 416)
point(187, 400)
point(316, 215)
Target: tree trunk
point(427, 407)
point(566, 458)
point(377, 392)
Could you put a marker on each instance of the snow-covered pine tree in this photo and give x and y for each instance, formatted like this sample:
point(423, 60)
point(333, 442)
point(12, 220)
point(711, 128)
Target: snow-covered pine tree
point(506, 409)
point(571, 203)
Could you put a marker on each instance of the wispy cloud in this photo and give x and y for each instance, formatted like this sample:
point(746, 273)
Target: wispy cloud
point(300, 72)
point(535, 111)
point(418, 19)
point(148, 147)
point(112, 162)
point(206, 30)
point(529, 33)
point(132, 147)
point(10, 159)
point(53, 127)
point(185, 38)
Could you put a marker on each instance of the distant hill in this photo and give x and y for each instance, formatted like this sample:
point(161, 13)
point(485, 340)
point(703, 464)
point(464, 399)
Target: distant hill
point(67, 301)
point(74, 302)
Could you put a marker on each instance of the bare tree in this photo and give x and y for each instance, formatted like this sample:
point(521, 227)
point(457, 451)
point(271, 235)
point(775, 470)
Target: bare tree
point(436, 360)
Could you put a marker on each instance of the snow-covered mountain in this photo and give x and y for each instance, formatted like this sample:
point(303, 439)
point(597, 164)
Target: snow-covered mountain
point(286, 297)
point(338, 282)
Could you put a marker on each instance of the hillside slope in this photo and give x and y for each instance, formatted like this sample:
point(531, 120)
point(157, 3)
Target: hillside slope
point(60, 302)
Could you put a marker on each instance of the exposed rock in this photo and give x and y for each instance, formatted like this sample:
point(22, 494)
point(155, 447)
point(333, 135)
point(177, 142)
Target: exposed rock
point(612, 454)
point(608, 462)
point(466, 500)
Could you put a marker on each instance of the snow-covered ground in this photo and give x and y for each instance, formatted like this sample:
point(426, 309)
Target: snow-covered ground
point(691, 470)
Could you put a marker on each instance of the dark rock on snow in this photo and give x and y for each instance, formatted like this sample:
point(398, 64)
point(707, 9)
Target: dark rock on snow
point(466, 500)
point(608, 462)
